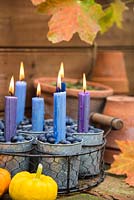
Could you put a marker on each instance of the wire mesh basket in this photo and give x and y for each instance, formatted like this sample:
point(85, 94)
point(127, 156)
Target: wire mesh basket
point(64, 168)
point(57, 166)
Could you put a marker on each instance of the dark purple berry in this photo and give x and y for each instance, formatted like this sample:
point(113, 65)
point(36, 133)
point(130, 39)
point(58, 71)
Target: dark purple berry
point(19, 126)
point(28, 137)
point(20, 138)
point(70, 139)
point(49, 135)
point(69, 121)
point(40, 136)
point(50, 128)
point(64, 142)
point(77, 140)
point(51, 140)
point(14, 138)
point(49, 123)
point(68, 134)
point(43, 139)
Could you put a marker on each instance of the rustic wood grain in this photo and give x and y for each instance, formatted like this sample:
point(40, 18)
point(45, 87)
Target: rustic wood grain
point(23, 38)
point(41, 63)
point(21, 25)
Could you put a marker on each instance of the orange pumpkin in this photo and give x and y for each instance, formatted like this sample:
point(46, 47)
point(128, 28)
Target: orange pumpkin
point(5, 179)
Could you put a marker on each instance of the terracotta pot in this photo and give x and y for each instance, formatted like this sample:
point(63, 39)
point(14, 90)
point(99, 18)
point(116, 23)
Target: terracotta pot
point(110, 70)
point(98, 97)
point(123, 108)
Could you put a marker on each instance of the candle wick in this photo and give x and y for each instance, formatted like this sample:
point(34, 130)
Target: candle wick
point(11, 94)
point(84, 90)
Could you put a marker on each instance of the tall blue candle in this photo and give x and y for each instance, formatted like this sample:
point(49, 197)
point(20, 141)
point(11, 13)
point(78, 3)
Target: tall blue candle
point(10, 113)
point(20, 92)
point(83, 109)
point(59, 113)
point(38, 111)
point(63, 84)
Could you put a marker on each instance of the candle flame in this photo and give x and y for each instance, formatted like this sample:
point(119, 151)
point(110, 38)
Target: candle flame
point(38, 93)
point(84, 83)
point(62, 70)
point(59, 80)
point(11, 86)
point(22, 75)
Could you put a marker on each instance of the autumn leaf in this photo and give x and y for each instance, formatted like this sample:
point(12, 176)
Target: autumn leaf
point(37, 2)
point(85, 17)
point(113, 14)
point(70, 17)
point(124, 162)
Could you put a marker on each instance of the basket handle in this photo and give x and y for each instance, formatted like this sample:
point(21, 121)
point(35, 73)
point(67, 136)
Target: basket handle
point(111, 122)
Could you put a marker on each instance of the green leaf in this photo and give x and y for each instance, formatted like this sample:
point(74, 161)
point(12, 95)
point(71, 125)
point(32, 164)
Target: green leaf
point(118, 9)
point(113, 14)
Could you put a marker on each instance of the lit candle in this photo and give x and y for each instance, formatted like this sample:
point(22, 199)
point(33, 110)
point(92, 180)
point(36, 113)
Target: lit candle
point(38, 111)
point(10, 112)
point(61, 73)
point(59, 113)
point(83, 108)
point(20, 92)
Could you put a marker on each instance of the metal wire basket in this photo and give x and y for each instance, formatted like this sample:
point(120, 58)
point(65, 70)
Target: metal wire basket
point(64, 168)
point(60, 165)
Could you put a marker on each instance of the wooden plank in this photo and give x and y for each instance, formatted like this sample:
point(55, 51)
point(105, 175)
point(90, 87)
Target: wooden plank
point(21, 25)
point(116, 36)
point(43, 63)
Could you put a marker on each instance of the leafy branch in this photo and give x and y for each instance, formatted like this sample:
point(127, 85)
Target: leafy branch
point(85, 17)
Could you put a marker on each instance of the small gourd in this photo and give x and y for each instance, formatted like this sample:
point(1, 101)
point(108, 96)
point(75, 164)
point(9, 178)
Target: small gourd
point(5, 179)
point(33, 186)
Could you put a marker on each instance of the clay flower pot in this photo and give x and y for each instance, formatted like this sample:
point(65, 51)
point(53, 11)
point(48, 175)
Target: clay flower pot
point(120, 107)
point(98, 95)
point(110, 70)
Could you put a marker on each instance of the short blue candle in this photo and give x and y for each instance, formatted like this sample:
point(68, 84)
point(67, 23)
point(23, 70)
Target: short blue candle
point(38, 113)
point(20, 93)
point(59, 116)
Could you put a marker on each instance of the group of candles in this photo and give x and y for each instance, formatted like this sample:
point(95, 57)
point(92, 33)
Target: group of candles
point(15, 107)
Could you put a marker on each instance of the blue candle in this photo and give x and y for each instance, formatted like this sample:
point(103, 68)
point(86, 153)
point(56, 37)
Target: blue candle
point(20, 92)
point(63, 87)
point(63, 84)
point(38, 111)
point(59, 113)
point(83, 109)
point(10, 113)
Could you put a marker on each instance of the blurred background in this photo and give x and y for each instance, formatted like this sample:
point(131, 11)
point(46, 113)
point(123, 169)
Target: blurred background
point(23, 38)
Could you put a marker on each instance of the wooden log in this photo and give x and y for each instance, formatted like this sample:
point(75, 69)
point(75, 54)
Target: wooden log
point(105, 120)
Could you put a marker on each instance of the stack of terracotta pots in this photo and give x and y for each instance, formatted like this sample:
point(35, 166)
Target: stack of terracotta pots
point(110, 70)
